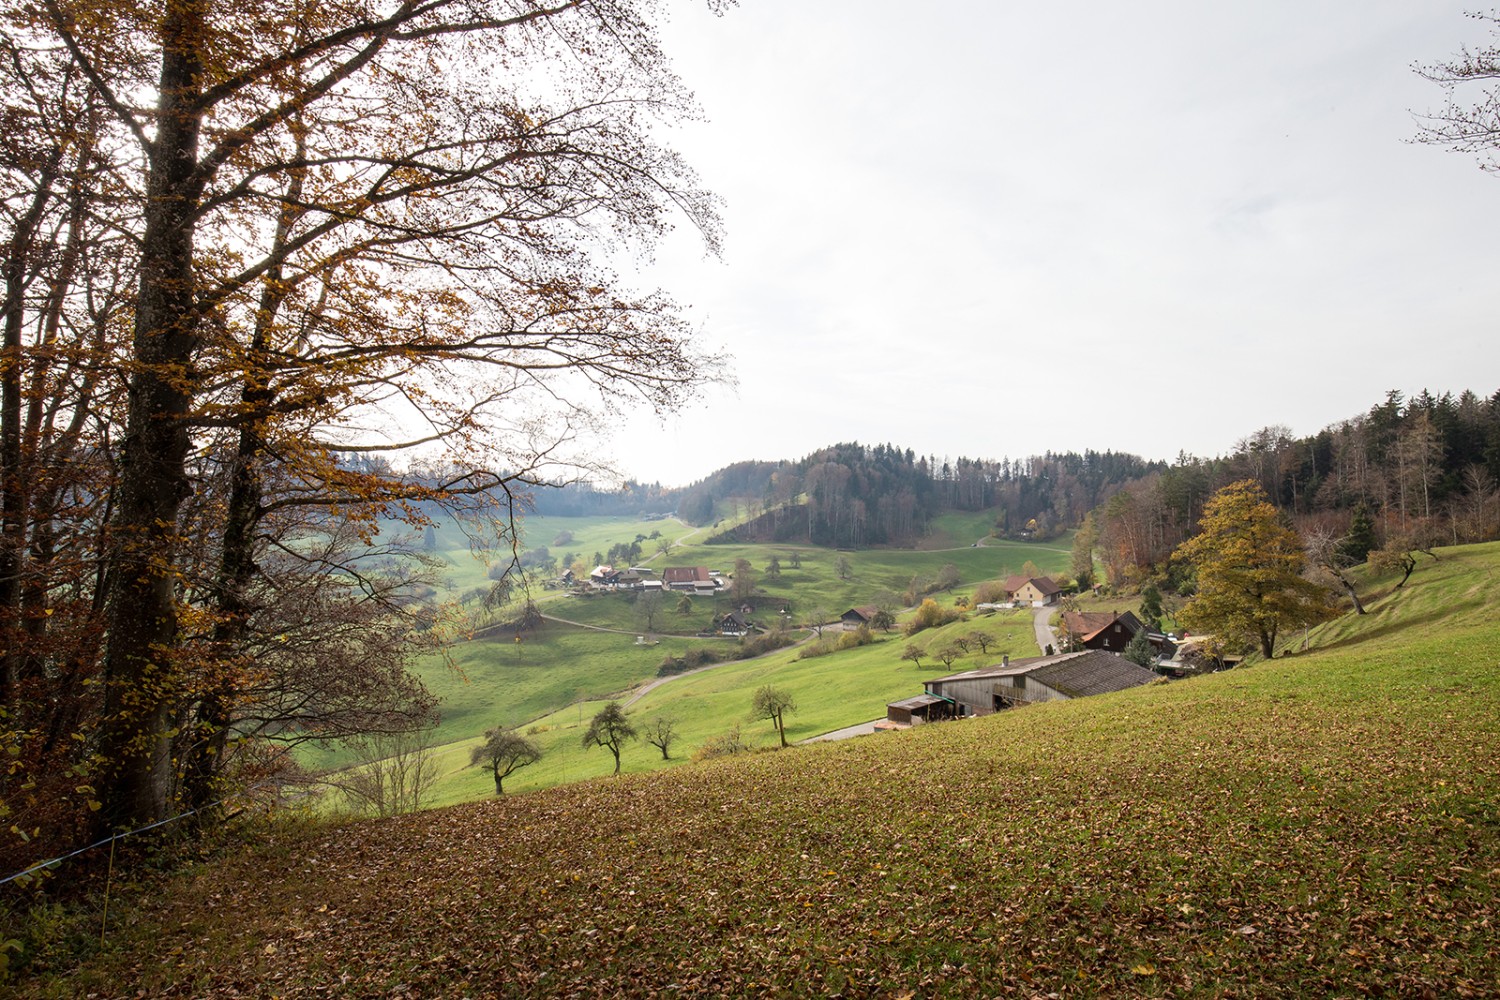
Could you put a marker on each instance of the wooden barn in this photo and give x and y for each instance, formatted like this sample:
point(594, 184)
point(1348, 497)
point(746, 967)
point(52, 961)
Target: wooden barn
point(1042, 678)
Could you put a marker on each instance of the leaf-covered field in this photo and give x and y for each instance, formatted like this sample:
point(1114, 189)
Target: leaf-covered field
point(1324, 824)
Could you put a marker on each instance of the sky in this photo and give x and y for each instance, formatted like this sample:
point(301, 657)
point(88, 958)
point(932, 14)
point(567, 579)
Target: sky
point(999, 229)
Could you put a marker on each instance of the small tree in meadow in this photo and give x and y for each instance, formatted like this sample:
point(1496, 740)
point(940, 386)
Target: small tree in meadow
point(609, 728)
point(661, 732)
point(1151, 609)
point(773, 703)
point(504, 752)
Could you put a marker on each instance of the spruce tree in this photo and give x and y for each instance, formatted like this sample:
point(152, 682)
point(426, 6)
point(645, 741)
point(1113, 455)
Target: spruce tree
point(1355, 547)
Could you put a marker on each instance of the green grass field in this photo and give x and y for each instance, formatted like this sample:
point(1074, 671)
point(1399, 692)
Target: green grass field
point(832, 692)
point(1323, 824)
point(494, 681)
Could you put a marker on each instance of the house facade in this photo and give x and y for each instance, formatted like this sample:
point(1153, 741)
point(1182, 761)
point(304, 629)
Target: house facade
point(734, 624)
point(1111, 630)
point(1037, 591)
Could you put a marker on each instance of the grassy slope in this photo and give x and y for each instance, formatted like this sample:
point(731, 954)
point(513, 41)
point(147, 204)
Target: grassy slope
point(831, 691)
point(1324, 824)
point(497, 682)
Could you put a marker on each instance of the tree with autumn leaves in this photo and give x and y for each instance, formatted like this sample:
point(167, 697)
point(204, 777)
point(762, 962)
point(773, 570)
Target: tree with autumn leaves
point(1249, 572)
point(256, 256)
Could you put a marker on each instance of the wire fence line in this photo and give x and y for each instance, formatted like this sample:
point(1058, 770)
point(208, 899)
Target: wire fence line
point(115, 837)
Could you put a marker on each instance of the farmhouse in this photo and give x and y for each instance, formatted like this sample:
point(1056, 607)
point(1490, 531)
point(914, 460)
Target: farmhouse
point(1038, 591)
point(733, 623)
point(1110, 630)
point(691, 578)
point(1043, 678)
point(855, 617)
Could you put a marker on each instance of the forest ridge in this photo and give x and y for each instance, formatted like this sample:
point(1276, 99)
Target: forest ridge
point(1427, 466)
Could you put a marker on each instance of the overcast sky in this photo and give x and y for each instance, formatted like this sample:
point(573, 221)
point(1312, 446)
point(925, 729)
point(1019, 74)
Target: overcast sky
point(998, 229)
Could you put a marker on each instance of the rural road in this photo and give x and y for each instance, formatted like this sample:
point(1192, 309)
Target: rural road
point(863, 729)
point(1045, 636)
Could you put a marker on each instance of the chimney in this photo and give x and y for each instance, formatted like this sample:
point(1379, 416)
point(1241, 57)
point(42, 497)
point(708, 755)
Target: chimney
point(1005, 660)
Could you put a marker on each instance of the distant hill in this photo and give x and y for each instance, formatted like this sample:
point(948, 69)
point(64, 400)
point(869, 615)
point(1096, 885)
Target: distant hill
point(1429, 465)
point(1323, 824)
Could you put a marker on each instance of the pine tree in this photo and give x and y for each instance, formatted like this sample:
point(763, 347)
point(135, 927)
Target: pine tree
point(1138, 650)
point(1354, 548)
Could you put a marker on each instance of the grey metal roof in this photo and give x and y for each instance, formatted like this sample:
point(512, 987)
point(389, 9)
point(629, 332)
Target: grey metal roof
point(921, 701)
point(1094, 672)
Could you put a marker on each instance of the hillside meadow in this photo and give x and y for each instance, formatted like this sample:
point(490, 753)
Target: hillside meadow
point(1327, 823)
point(587, 653)
point(832, 692)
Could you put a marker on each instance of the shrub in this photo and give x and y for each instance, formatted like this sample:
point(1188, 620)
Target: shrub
point(763, 644)
point(815, 649)
point(859, 637)
point(990, 592)
point(725, 745)
point(930, 615)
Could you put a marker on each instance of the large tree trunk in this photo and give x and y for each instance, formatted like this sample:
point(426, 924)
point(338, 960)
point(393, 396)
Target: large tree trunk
point(141, 665)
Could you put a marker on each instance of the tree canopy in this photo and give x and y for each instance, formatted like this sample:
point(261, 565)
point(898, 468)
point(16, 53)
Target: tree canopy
point(773, 703)
point(609, 728)
point(503, 753)
point(1249, 568)
point(277, 273)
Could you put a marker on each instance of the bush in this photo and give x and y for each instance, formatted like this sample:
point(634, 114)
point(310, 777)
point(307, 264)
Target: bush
point(702, 656)
point(763, 644)
point(991, 592)
point(726, 745)
point(859, 637)
point(930, 615)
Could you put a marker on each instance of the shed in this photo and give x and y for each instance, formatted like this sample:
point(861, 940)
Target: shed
point(919, 709)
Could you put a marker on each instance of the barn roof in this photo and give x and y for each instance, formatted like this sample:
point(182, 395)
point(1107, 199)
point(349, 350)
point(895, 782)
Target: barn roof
point(1092, 671)
point(921, 701)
